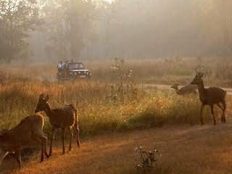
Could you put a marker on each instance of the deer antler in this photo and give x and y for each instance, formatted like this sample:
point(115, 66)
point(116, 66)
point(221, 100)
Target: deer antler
point(200, 71)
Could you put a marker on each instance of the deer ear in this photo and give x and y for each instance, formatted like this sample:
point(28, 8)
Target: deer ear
point(41, 96)
point(47, 98)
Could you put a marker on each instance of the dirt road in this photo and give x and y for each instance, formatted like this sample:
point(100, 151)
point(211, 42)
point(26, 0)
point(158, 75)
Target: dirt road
point(167, 87)
point(185, 150)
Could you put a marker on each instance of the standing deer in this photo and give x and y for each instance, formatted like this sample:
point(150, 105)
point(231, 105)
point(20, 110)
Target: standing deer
point(60, 118)
point(26, 134)
point(186, 90)
point(210, 96)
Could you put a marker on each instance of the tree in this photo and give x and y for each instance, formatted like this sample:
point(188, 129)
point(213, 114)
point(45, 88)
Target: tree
point(17, 18)
point(69, 26)
point(216, 20)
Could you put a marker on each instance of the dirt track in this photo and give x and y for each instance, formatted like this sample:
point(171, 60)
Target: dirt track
point(167, 87)
point(188, 150)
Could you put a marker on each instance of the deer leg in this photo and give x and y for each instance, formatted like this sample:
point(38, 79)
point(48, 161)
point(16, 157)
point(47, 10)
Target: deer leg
point(222, 108)
point(44, 147)
point(223, 119)
point(201, 112)
point(77, 129)
point(42, 139)
point(218, 104)
point(51, 141)
point(62, 137)
point(70, 140)
point(18, 158)
point(3, 157)
point(42, 152)
point(212, 112)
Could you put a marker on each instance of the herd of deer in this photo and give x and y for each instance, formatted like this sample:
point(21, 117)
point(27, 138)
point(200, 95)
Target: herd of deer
point(30, 130)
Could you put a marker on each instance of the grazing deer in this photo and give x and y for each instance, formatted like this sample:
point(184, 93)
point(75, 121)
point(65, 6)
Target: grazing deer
point(188, 89)
point(60, 118)
point(26, 134)
point(210, 96)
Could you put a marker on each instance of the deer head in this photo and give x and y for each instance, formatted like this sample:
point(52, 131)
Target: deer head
point(198, 78)
point(175, 86)
point(42, 104)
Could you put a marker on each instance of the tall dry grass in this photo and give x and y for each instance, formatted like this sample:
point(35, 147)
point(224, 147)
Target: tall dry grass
point(218, 70)
point(97, 112)
point(100, 109)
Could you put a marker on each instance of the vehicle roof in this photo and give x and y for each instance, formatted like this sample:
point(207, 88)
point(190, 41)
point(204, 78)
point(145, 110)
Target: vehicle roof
point(75, 63)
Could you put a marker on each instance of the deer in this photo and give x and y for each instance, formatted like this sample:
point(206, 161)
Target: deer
point(210, 96)
point(186, 90)
point(60, 118)
point(27, 133)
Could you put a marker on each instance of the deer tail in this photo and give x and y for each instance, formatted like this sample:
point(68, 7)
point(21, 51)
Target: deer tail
point(76, 116)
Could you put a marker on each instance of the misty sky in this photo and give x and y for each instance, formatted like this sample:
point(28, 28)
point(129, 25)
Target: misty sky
point(154, 28)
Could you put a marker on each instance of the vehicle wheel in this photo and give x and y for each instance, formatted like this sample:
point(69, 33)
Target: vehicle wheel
point(89, 77)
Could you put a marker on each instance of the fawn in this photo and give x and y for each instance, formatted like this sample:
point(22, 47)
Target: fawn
point(60, 118)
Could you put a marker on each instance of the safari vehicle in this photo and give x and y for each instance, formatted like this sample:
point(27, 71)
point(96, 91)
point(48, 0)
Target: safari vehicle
point(72, 71)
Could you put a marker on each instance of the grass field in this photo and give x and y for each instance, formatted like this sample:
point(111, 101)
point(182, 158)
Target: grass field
point(119, 108)
point(184, 149)
point(96, 109)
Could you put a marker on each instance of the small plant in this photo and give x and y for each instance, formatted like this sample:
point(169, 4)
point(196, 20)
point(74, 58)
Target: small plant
point(146, 159)
point(124, 87)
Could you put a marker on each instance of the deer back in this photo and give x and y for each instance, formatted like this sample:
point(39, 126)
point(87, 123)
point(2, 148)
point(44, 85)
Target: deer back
point(62, 117)
point(214, 95)
point(22, 135)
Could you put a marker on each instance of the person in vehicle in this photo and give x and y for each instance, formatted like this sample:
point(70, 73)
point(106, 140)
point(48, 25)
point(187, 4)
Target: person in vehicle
point(59, 66)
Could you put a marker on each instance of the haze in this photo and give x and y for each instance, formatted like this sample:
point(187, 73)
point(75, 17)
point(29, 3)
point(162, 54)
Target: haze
point(130, 29)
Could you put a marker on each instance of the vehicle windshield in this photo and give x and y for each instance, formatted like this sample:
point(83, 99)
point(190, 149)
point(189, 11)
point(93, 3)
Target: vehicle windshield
point(73, 66)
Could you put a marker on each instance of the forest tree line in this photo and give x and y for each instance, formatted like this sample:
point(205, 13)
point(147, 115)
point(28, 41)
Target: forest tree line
point(57, 29)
